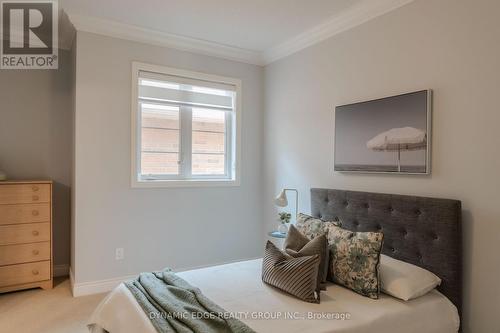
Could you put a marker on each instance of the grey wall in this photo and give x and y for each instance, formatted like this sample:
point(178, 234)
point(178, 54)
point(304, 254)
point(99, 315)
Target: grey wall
point(35, 137)
point(447, 45)
point(175, 227)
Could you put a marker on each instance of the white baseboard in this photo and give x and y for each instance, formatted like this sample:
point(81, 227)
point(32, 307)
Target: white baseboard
point(102, 286)
point(60, 270)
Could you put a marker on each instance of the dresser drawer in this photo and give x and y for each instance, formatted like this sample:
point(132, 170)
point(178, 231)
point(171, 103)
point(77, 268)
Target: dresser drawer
point(24, 233)
point(24, 273)
point(24, 193)
point(23, 253)
point(24, 213)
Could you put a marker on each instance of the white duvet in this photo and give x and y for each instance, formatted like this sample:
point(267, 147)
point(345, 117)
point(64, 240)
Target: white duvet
point(238, 288)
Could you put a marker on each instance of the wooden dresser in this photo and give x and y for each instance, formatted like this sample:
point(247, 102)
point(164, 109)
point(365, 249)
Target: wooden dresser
point(25, 235)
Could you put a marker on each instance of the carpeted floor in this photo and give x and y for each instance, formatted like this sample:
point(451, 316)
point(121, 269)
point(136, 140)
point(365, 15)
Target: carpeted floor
point(46, 311)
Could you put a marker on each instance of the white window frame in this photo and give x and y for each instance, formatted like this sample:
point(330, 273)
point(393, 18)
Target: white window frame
point(233, 134)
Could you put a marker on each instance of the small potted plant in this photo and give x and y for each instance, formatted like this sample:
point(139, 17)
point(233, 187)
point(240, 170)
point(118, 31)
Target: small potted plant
point(284, 219)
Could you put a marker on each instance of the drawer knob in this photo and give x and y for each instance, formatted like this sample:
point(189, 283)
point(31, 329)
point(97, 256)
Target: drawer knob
point(35, 233)
point(35, 272)
point(36, 252)
point(35, 213)
point(35, 188)
point(35, 198)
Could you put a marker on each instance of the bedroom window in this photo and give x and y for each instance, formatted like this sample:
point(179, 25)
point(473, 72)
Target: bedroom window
point(185, 128)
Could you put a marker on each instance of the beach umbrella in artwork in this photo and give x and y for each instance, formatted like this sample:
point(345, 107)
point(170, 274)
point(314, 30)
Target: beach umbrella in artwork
point(398, 140)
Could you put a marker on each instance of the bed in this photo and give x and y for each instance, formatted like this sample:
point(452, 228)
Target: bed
point(422, 231)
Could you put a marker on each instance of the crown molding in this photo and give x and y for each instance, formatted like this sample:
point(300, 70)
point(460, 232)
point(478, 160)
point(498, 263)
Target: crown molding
point(154, 37)
point(358, 14)
point(345, 20)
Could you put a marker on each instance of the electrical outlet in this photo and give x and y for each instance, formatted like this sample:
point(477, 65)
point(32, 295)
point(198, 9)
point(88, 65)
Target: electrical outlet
point(119, 253)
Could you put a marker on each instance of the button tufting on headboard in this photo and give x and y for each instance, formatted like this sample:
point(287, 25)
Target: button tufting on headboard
point(415, 229)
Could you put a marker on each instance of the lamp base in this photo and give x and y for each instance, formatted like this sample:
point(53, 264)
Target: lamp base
point(283, 228)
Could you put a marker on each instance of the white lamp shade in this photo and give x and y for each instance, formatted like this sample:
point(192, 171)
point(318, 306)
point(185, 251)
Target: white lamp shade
point(281, 199)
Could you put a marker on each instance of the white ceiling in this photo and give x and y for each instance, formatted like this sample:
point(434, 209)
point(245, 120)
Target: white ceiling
point(248, 24)
point(252, 27)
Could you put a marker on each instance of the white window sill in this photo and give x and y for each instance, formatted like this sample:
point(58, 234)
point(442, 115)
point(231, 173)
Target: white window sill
point(184, 183)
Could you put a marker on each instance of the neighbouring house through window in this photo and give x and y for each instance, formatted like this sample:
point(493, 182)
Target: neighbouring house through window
point(185, 128)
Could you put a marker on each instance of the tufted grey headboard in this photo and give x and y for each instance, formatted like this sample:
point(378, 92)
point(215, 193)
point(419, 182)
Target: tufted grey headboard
point(423, 231)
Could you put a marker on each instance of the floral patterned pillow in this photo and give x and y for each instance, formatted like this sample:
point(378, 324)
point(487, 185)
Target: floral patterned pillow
point(313, 227)
point(355, 259)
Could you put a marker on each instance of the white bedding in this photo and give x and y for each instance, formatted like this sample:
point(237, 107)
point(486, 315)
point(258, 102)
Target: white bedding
point(238, 288)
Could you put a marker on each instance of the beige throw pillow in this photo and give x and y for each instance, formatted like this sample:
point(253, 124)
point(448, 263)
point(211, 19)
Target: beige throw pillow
point(298, 245)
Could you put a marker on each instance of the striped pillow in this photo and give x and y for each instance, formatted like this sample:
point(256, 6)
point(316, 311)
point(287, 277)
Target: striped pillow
point(295, 276)
point(298, 245)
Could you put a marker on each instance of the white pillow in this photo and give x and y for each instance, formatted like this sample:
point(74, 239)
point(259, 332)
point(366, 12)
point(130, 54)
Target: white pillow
point(405, 281)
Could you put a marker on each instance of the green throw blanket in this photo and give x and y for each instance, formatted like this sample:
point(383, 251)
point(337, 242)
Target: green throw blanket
point(173, 305)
